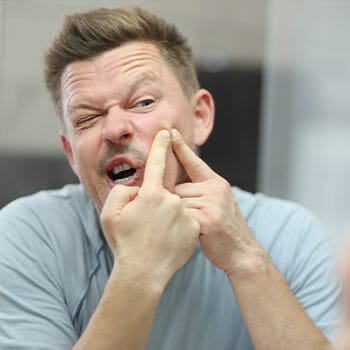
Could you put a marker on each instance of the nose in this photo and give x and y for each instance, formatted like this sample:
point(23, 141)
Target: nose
point(118, 127)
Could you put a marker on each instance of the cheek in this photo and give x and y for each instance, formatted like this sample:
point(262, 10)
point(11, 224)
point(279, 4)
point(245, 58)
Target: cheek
point(171, 114)
point(85, 151)
point(156, 122)
point(147, 130)
point(184, 125)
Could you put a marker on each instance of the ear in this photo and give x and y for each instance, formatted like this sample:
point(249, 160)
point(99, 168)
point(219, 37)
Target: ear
point(204, 111)
point(67, 150)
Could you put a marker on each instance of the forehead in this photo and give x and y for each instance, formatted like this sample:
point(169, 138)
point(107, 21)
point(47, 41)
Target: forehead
point(125, 59)
point(114, 73)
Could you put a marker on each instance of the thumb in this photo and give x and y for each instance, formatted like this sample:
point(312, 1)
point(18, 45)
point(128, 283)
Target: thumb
point(119, 197)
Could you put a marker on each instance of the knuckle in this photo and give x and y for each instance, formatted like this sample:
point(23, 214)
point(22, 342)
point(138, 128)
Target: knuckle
point(223, 187)
point(175, 201)
point(153, 196)
point(224, 184)
point(117, 191)
point(106, 220)
point(195, 164)
point(105, 215)
point(227, 187)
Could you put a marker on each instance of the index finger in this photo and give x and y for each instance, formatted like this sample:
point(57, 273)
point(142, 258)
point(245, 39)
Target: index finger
point(195, 167)
point(155, 165)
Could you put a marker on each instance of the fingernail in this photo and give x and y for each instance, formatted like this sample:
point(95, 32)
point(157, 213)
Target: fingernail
point(174, 133)
point(165, 134)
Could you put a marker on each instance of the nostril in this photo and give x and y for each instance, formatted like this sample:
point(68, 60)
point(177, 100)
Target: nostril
point(126, 136)
point(115, 138)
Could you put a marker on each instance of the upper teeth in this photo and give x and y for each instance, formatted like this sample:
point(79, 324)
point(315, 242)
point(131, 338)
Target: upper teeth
point(118, 168)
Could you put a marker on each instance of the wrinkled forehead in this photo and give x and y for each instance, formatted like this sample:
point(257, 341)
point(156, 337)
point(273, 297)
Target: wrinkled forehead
point(118, 60)
point(125, 62)
point(120, 69)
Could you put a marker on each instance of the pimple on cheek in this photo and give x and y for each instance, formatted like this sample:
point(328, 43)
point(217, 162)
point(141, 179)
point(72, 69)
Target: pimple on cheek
point(166, 125)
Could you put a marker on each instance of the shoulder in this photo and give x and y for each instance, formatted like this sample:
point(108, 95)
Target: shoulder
point(53, 236)
point(262, 211)
point(298, 246)
point(69, 196)
point(288, 232)
point(260, 206)
point(45, 207)
point(50, 223)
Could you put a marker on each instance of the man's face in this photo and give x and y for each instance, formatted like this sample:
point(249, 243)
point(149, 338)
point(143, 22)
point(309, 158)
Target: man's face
point(113, 105)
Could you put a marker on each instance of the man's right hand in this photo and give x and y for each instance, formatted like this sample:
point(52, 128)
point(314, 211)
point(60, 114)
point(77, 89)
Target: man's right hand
point(151, 235)
point(148, 228)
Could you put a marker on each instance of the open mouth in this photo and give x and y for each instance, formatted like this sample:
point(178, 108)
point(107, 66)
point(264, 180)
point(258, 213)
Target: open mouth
point(121, 173)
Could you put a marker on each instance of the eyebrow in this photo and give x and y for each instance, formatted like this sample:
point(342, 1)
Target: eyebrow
point(80, 105)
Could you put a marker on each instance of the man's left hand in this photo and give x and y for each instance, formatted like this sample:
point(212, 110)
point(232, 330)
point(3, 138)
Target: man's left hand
point(224, 235)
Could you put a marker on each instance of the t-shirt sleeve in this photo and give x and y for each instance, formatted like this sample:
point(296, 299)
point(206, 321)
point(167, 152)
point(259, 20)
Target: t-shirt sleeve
point(33, 311)
point(311, 273)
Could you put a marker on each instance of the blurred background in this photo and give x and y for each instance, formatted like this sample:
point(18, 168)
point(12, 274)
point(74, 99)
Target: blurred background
point(278, 70)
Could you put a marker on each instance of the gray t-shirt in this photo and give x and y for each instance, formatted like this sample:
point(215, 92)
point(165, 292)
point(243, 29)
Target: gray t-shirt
point(55, 262)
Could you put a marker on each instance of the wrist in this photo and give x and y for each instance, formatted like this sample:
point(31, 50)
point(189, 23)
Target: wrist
point(248, 265)
point(139, 277)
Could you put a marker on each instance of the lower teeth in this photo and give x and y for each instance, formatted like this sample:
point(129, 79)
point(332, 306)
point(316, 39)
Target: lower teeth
point(125, 179)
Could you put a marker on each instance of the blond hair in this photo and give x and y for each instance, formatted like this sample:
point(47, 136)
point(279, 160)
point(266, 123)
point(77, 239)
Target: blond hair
point(86, 35)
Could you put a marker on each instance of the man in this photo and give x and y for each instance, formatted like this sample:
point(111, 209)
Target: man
point(154, 250)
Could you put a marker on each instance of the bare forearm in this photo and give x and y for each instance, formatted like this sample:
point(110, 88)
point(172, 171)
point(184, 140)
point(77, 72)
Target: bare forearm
point(272, 314)
point(124, 316)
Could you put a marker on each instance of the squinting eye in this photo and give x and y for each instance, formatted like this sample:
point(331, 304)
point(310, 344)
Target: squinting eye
point(88, 119)
point(145, 103)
